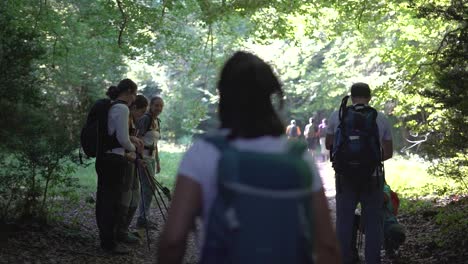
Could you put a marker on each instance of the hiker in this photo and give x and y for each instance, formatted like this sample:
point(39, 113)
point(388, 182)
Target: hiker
point(394, 232)
point(149, 131)
point(250, 219)
point(138, 108)
point(322, 133)
point(293, 131)
point(114, 165)
point(360, 139)
point(131, 183)
point(310, 133)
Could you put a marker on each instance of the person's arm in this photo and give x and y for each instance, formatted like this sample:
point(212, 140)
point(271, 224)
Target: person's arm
point(329, 141)
point(387, 148)
point(330, 137)
point(138, 143)
point(158, 163)
point(298, 130)
point(185, 206)
point(326, 243)
point(142, 124)
point(287, 130)
point(387, 142)
point(120, 115)
point(306, 130)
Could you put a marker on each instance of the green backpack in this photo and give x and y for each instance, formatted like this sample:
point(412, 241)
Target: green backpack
point(262, 213)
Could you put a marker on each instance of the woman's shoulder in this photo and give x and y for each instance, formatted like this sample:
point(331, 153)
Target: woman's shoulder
point(201, 145)
point(146, 118)
point(119, 107)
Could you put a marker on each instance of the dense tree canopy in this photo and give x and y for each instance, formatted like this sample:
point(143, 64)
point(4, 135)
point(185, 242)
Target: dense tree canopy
point(58, 56)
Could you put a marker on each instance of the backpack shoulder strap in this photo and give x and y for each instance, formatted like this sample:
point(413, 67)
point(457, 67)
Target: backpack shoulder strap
point(228, 168)
point(159, 124)
point(343, 109)
point(296, 149)
point(148, 127)
point(229, 157)
point(218, 141)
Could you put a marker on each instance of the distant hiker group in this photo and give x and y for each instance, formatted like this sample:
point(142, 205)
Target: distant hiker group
point(314, 135)
point(254, 185)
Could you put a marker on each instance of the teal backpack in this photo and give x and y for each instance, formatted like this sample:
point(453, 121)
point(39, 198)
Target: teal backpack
point(262, 213)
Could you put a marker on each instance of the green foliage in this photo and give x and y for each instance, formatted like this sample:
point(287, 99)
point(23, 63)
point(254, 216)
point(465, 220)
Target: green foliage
point(57, 57)
point(453, 224)
point(409, 177)
point(37, 142)
point(449, 144)
point(170, 156)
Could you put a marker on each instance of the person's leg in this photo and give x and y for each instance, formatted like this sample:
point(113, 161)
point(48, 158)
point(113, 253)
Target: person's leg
point(346, 201)
point(147, 193)
point(323, 149)
point(135, 198)
point(107, 200)
point(372, 206)
point(310, 146)
point(127, 208)
point(355, 237)
point(105, 233)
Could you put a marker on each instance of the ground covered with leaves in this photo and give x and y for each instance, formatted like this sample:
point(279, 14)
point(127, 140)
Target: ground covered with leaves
point(72, 239)
point(436, 234)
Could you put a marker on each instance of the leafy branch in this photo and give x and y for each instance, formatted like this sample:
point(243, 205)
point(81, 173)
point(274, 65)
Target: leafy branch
point(435, 58)
point(124, 22)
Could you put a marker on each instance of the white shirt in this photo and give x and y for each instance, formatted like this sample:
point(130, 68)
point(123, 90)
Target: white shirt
point(117, 122)
point(200, 164)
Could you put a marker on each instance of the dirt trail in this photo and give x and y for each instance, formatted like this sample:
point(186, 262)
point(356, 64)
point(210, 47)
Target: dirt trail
point(328, 181)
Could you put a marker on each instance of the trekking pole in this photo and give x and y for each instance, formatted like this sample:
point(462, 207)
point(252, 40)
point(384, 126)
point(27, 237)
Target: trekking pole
point(160, 195)
point(153, 187)
point(158, 187)
point(162, 199)
point(143, 204)
point(164, 189)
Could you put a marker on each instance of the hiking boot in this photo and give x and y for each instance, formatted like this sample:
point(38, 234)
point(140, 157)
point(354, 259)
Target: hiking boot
point(129, 238)
point(119, 249)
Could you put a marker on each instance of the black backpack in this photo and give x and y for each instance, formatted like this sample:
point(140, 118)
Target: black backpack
point(356, 152)
point(94, 137)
